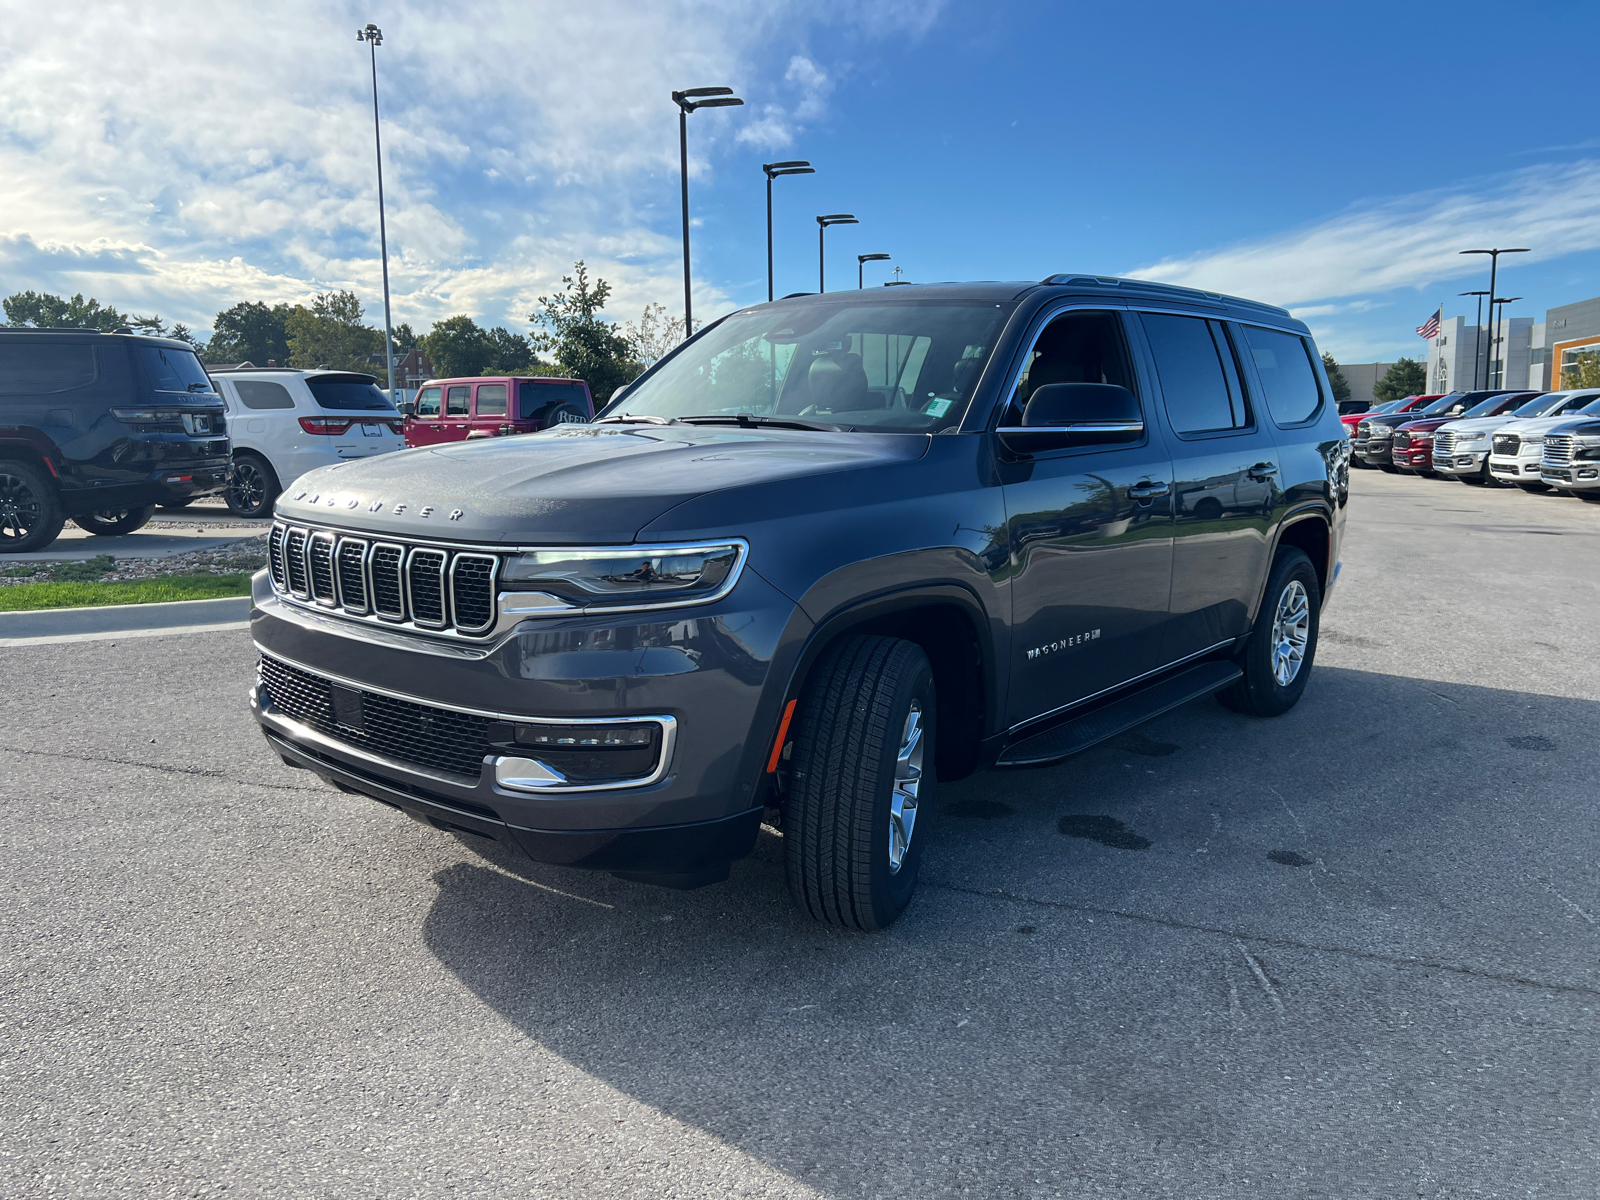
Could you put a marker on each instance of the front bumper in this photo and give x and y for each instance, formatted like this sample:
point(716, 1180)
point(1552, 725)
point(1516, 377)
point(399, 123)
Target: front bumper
point(1464, 463)
point(1505, 467)
point(1576, 476)
point(1417, 457)
point(1375, 452)
point(707, 673)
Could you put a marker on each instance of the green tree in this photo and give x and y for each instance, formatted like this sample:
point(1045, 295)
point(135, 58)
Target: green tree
point(44, 311)
point(250, 332)
point(1584, 372)
point(457, 346)
point(509, 353)
point(1336, 379)
point(1407, 377)
point(584, 346)
point(330, 334)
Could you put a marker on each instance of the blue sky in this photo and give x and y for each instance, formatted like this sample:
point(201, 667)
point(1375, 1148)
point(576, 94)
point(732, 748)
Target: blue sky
point(1329, 158)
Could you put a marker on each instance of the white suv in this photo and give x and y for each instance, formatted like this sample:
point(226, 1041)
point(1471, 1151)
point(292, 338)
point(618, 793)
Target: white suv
point(285, 422)
point(1517, 446)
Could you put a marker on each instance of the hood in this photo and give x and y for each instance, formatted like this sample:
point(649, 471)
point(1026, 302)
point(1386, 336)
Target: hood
point(1425, 425)
point(1487, 424)
point(1540, 424)
point(573, 484)
point(1587, 426)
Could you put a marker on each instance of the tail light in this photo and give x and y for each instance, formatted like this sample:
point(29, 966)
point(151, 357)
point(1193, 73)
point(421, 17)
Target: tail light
point(326, 426)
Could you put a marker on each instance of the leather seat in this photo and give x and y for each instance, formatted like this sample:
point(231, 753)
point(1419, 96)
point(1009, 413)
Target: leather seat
point(837, 382)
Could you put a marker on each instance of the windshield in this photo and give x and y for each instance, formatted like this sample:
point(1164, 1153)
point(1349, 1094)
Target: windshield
point(1539, 405)
point(173, 370)
point(1440, 406)
point(1488, 408)
point(1592, 407)
point(347, 392)
point(907, 366)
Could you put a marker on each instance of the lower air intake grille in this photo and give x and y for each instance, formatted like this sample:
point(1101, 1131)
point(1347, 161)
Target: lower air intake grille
point(438, 739)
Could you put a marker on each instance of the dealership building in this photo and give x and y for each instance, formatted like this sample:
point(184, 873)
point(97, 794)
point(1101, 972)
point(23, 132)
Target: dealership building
point(1531, 354)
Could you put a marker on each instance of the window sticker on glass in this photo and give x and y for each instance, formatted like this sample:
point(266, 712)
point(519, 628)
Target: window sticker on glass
point(937, 408)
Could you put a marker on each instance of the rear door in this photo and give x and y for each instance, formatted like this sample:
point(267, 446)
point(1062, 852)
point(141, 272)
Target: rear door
point(1225, 472)
point(489, 409)
point(457, 412)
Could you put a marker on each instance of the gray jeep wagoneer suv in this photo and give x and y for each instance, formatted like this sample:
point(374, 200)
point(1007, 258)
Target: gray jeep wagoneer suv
point(830, 551)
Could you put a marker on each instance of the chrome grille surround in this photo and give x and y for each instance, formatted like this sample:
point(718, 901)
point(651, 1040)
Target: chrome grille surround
point(1558, 449)
point(350, 563)
point(385, 581)
point(425, 570)
point(473, 576)
point(1444, 444)
point(319, 567)
point(294, 563)
point(275, 558)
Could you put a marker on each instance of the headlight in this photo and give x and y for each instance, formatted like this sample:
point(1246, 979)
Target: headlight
point(1587, 449)
point(1470, 437)
point(627, 577)
point(1533, 442)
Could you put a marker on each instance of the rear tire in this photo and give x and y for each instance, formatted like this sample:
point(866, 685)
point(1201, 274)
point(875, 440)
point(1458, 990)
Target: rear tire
point(114, 522)
point(859, 795)
point(254, 488)
point(1277, 657)
point(30, 511)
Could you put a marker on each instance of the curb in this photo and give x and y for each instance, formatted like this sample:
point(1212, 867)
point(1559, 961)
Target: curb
point(121, 618)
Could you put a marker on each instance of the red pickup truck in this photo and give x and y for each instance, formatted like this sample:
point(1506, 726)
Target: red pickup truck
point(453, 410)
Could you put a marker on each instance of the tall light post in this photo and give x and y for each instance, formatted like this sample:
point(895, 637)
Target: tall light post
point(688, 101)
point(861, 261)
point(1499, 333)
point(822, 227)
point(798, 166)
point(1494, 262)
point(1477, 334)
point(373, 36)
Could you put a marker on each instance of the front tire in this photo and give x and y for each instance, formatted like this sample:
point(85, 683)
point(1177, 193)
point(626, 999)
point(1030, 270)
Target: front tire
point(113, 522)
point(30, 510)
point(860, 786)
point(1277, 657)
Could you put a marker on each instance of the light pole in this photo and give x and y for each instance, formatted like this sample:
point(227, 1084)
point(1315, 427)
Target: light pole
point(689, 101)
point(1499, 333)
point(1477, 334)
point(861, 261)
point(822, 227)
point(1494, 262)
point(373, 36)
point(797, 166)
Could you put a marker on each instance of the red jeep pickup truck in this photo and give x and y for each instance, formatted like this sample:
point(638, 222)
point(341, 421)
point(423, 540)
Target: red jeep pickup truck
point(453, 410)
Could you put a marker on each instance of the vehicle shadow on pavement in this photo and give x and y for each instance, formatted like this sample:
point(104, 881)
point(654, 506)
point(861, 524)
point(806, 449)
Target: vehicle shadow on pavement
point(1108, 961)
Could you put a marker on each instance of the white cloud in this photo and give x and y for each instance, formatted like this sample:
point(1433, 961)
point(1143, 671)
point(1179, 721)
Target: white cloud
point(1407, 242)
point(228, 155)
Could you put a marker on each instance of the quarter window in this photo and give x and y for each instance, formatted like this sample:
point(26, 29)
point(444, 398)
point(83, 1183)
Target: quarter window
point(1283, 362)
point(491, 399)
point(1199, 379)
point(258, 393)
point(455, 401)
point(428, 402)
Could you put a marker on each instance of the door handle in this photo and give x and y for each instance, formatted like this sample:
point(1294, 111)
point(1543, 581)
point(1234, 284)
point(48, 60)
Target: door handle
point(1263, 471)
point(1146, 490)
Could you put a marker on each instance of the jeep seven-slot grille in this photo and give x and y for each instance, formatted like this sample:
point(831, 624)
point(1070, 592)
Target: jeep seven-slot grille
point(439, 739)
point(433, 588)
point(1558, 448)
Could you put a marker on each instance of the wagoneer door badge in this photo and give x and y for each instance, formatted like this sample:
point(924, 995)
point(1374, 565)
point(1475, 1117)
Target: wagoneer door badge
point(1063, 644)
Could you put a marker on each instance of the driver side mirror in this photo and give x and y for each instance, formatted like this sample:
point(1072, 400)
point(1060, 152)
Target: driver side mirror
point(408, 409)
point(1075, 414)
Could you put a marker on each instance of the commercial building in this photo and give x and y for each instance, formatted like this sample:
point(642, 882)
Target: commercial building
point(1363, 377)
point(1462, 354)
point(1570, 331)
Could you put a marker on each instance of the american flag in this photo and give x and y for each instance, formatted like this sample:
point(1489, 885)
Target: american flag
point(1430, 327)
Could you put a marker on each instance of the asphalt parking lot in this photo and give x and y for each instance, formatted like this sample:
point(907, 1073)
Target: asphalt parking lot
point(1354, 951)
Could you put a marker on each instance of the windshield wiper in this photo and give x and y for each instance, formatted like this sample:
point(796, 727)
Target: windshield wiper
point(749, 421)
point(638, 418)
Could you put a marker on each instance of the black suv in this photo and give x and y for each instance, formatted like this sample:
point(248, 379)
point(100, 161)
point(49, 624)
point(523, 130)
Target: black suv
point(101, 428)
point(827, 552)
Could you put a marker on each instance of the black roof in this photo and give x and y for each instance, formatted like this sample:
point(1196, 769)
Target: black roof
point(128, 334)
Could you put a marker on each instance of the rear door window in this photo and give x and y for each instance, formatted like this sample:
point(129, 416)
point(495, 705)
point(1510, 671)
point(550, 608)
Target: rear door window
point(259, 393)
point(491, 399)
point(456, 401)
point(1199, 380)
point(32, 368)
point(1283, 361)
point(428, 402)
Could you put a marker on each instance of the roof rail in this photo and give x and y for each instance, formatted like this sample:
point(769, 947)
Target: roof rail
point(1153, 287)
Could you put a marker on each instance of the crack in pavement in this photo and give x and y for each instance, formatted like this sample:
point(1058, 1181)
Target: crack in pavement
point(128, 762)
point(1265, 939)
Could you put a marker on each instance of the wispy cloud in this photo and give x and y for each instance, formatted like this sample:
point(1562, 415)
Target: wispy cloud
point(229, 154)
point(1408, 242)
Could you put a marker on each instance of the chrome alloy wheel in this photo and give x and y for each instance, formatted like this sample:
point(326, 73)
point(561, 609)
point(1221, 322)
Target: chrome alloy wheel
point(20, 510)
point(907, 782)
point(1291, 631)
point(249, 484)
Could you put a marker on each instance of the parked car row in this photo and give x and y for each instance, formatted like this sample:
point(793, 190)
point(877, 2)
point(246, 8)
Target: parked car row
point(100, 428)
point(1540, 441)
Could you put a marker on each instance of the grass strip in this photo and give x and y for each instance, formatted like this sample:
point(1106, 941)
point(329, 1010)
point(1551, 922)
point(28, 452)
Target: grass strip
point(26, 597)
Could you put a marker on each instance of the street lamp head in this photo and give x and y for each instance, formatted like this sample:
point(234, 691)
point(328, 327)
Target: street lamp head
point(716, 102)
point(1508, 299)
point(837, 219)
point(1511, 250)
point(705, 91)
point(370, 34)
point(866, 258)
point(692, 98)
point(798, 166)
point(1472, 293)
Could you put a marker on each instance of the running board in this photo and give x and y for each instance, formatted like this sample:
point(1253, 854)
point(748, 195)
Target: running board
point(1050, 747)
